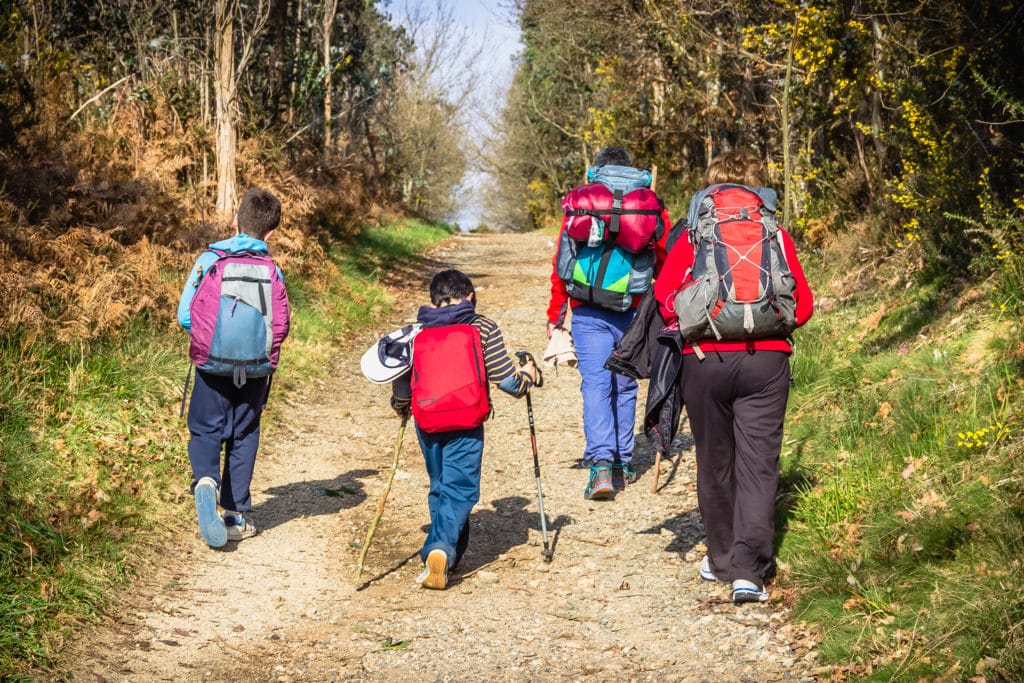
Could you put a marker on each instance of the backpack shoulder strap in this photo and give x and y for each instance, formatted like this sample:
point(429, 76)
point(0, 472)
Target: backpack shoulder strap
point(694, 210)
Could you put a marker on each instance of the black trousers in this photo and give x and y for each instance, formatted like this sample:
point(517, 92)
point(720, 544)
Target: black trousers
point(736, 403)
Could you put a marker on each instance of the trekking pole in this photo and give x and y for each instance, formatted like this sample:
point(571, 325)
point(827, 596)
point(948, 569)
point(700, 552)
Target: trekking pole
point(524, 357)
point(184, 392)
point(383, 498)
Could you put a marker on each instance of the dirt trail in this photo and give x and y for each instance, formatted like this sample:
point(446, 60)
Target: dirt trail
point(621, 599)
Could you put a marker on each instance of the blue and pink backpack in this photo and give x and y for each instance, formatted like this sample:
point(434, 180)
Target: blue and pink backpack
point(240, 316)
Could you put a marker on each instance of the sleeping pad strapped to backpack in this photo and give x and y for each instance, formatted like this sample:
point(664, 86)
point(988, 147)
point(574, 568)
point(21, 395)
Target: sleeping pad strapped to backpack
point(606, 252)
point(741, 286)
point(449, 379)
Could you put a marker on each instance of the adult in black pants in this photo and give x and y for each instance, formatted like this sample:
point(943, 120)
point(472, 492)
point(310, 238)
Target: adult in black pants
point(735, 391)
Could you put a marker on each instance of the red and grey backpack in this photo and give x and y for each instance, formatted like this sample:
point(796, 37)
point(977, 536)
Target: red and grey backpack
point(449, 379)
point(741, 286)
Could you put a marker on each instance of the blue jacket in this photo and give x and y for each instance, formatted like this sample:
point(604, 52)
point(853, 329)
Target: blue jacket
point(238, 243)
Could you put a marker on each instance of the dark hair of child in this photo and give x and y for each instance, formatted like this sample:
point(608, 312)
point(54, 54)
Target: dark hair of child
point(450, 287)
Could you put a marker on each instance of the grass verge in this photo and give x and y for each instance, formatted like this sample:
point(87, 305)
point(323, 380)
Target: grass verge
point(903, 523)
point(93, 466)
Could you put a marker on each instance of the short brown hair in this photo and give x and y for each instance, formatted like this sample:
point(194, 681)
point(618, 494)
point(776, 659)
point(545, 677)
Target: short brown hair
point(259, 212)
point(740, 166)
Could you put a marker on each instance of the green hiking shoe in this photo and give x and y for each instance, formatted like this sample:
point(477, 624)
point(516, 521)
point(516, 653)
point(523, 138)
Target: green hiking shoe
point(600, 487)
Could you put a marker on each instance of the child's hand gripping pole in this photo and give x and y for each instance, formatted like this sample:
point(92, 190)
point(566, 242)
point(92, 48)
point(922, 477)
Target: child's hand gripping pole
point(524, 358)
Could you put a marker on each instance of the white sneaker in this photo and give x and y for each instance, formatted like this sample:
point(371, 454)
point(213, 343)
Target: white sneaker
point(237, 526)
point(435, 571)
point(705, 571)
point(210, 525)
point(747, 591)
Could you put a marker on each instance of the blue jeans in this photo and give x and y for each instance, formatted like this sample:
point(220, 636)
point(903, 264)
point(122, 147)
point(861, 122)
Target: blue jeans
point(609, 399)
point(223, 416)
point(453, 463)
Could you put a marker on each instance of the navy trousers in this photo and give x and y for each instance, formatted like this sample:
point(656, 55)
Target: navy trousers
point(225, 418)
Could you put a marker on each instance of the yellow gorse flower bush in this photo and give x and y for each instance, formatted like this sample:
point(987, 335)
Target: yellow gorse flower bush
point(984, 437)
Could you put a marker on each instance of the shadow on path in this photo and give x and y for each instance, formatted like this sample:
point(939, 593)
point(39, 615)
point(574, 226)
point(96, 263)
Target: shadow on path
point(687, 529)
point(494, 532)
point(311, 498)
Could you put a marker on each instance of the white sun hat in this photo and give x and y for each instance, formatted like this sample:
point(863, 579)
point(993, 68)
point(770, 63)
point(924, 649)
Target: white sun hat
point(391, 356)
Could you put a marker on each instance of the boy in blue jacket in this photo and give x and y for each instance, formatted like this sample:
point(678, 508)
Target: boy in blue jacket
point(223, 416)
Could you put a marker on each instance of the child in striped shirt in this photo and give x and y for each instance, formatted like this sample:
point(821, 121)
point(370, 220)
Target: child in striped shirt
point(453, 457)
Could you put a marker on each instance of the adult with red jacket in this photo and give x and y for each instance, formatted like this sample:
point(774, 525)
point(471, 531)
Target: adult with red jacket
point(598, 323)
point(735, 392)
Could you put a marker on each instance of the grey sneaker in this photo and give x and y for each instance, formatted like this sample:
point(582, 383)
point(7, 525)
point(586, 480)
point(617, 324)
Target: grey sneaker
point(435, 571)
point(211, 526)
point(748, 591)
point(599, 486)
point(238, 526)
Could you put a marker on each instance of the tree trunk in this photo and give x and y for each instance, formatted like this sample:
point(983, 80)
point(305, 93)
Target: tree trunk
point(876, 97)
point(330, 10)
point(224, 97)
point(787, 161)
point(295, 62)
point(204, 101)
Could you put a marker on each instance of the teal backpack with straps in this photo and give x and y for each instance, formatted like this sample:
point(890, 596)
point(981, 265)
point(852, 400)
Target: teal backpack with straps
point(604, 275)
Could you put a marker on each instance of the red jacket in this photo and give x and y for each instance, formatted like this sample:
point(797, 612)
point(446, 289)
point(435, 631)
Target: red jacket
point(559, 297)
point(677, 270)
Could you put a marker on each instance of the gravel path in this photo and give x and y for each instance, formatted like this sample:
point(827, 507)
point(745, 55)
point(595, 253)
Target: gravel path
point(621, 599)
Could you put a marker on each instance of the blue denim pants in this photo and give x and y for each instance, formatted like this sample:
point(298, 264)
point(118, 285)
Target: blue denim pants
point(453, 464)
point(609, 399)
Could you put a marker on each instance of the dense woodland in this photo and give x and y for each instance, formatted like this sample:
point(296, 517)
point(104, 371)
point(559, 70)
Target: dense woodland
point(891, 125)
point(128, 128)
point(883, 119)
point(894, 126)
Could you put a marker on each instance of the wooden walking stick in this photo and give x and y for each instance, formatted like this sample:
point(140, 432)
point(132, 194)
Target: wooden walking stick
point(657, 471)
point(383, 499)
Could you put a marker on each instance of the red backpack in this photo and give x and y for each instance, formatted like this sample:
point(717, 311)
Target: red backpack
point(741, 286)
point(449, 379)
